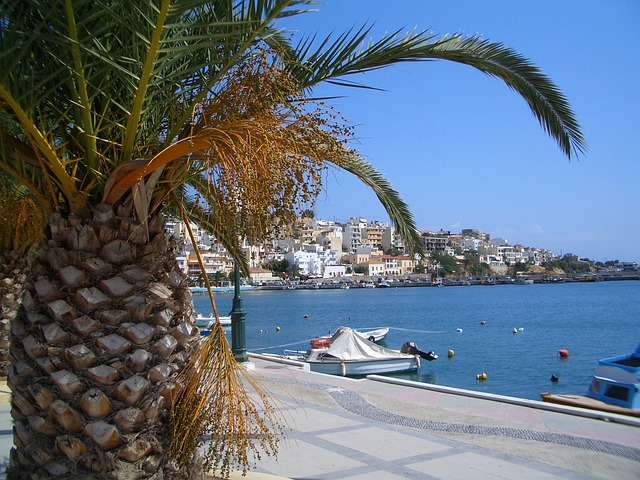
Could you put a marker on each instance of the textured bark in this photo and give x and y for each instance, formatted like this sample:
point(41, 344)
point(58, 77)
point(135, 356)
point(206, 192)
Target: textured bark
point(13, 274)
point(104, 328)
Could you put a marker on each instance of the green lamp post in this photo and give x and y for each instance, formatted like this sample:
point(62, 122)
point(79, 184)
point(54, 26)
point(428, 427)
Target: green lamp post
point(238, 340)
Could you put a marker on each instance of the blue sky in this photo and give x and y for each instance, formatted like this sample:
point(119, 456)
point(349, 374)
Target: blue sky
point(464, 151)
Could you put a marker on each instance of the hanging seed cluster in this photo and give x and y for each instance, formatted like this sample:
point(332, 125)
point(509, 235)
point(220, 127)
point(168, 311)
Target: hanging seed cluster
point(267, 146)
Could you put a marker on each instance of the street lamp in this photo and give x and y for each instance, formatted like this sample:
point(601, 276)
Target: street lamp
point(238, 340)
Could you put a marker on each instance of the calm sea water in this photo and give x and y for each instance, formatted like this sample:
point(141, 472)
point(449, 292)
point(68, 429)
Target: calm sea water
point(590, 320)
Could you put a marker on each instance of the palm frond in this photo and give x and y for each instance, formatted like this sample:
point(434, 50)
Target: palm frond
point(350, 54)
point(396, 208)
point(102, 82)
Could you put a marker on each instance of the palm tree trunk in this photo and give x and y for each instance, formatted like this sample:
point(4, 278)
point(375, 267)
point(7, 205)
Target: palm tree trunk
point(13, 274)
point(104, 327)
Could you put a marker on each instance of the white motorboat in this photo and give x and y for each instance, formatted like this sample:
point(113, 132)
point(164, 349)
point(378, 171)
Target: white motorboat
point(206, 323)
point(374, 335)
point(351, 355)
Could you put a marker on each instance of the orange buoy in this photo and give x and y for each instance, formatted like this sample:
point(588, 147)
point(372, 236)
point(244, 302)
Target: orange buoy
point(563, 353)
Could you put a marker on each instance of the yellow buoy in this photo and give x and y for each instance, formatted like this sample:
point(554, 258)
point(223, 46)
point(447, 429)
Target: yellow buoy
point(450, 353)
point(277, 329)
point(481, 376)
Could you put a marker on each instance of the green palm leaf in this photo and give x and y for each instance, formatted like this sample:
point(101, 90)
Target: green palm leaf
point(396, 208)
point(351, 54)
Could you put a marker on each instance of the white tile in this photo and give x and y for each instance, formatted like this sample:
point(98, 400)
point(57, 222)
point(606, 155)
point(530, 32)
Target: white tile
point(474, 466)
point(313, 461)
point(378, 475)
point(309, 420)
point(395, 446)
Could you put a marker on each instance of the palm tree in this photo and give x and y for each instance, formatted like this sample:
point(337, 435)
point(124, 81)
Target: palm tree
point(21, 228)
point(115, 113)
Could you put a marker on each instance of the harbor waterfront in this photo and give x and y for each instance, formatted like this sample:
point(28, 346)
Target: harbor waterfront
point(590, 320)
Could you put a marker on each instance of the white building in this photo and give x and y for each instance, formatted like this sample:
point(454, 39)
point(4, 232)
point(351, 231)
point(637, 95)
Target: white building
point(352, 237)
point(312, 260)
point(470, 244)
point(334, 271)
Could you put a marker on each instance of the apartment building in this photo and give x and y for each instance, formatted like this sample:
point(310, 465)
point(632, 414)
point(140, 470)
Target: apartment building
point(372, 236)
point(352, 238)
point(435, 240)
point(391, 240)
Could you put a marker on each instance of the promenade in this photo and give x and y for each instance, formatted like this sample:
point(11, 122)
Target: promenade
point(377, 429)
point(371, 429)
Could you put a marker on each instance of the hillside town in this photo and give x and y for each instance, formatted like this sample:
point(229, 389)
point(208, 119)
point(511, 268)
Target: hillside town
point(322, 250)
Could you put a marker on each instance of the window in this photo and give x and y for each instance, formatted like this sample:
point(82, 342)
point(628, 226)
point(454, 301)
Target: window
point(618, 392)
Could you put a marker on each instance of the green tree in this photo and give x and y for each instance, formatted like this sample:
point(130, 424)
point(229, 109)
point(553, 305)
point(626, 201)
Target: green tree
point(114, 113)
point(520, 267)
point(280, 266)
point(569, 263)
point(472, 264)
point(293, 271)
point(448, 263)
point(219, 277)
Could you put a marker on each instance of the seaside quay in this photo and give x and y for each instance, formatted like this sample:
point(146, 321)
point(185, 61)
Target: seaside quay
point(380, 428)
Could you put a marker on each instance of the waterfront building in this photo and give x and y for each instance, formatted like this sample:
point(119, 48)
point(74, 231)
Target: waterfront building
point(373, 268)
point(352, 238)
point(260, 275)
point(435, 240)
point(391, 240)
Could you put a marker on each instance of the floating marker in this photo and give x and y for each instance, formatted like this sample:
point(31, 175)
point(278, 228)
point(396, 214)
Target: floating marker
point(450, 353)
point(458, 330)
point(554, 379)
point(481, 376)
point(563, 353)
point(515, 330)
point(277, 329)
point(305, 316)
point(483, 322)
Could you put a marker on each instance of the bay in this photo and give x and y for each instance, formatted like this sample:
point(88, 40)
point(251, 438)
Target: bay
point(590, 320)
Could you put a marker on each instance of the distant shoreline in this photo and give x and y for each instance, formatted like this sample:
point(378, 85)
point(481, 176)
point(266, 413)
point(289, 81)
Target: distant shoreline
point(404, 282)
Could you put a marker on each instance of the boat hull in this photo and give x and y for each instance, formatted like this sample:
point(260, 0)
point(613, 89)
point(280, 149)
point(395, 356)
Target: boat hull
point(356, 368)
point(207, 322)
point(583, 401)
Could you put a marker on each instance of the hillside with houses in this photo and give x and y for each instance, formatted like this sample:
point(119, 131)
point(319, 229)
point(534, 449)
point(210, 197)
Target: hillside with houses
point(322, 250)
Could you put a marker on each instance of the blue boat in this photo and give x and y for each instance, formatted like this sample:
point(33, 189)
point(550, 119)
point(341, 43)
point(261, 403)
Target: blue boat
point(615, 387)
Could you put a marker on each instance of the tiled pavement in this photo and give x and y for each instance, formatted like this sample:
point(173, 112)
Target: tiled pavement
point(372, 429)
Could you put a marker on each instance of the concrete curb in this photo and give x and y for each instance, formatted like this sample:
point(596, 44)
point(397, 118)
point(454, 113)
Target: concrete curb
point(552, 407)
